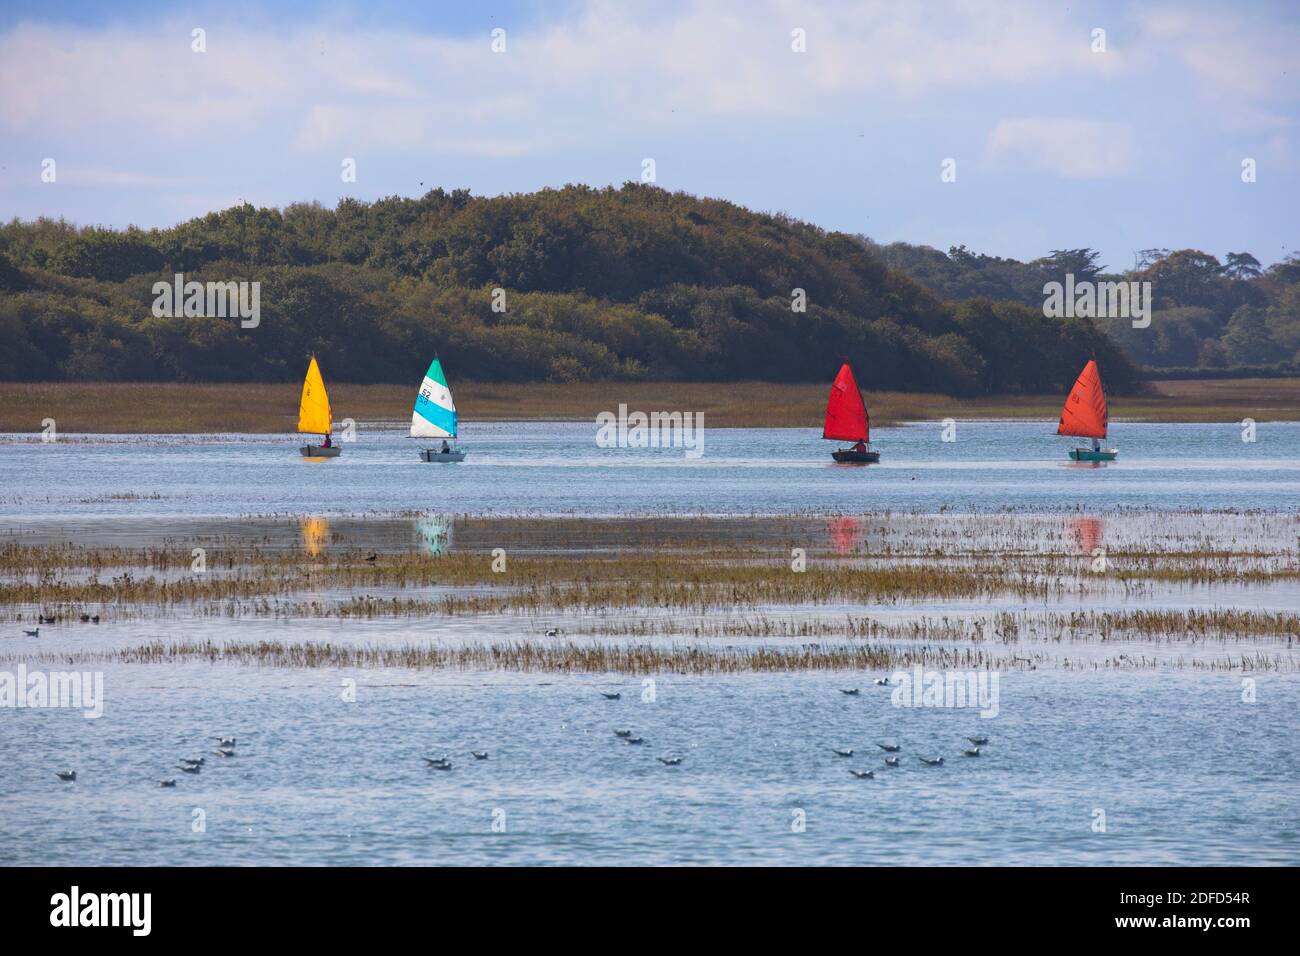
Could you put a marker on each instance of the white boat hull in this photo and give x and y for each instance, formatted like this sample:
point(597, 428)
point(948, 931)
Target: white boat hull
point(434, 455)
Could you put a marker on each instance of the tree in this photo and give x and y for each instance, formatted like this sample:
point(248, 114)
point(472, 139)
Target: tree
point(1242, 265)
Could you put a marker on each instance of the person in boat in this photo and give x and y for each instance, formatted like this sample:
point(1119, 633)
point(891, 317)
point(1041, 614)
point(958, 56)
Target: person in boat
point(328, 442)
point(860, 447)
point(445, 447)
point(1096, 444)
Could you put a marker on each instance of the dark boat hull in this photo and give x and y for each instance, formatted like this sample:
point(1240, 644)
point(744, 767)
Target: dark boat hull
point(1087, 454)
point(848, 456)
point(320, 451)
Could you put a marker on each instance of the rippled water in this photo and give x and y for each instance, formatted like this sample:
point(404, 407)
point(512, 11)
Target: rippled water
point(548, 468)
point(1183, 769)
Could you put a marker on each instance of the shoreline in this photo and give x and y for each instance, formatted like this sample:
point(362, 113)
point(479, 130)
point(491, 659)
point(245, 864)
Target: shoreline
point(262, 408)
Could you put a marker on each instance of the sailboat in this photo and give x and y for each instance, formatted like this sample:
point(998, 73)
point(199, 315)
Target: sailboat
point(435, 415)
point(846, 420)
point(1084, 415)
point(314, 417)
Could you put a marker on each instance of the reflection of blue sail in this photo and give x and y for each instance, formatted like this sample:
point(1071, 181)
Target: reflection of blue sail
point(434, 534)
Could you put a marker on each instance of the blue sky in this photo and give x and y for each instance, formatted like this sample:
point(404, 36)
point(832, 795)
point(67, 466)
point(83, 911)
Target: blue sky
point(1056, 144)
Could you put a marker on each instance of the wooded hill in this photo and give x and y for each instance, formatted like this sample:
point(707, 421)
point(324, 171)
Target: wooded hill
point(628, 283)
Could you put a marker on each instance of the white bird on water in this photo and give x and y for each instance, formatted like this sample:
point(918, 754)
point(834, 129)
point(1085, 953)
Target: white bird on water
point(864, 774)
point(194, 761)
point(670, 761)
point(842, 753)
point(438, 763)
point(891, 761)
point(931, 761)
point(67, 776)
point(479, 754)
point(850, 691)
point(882, 682)
point(622, 733)
point(169, 782)
point(890, 748)
point(189, 767)
point(226, 742)
point(34, 632)
point(973, 752)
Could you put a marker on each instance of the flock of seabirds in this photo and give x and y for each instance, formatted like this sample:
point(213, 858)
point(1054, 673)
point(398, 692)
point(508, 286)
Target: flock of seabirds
point(226, 749)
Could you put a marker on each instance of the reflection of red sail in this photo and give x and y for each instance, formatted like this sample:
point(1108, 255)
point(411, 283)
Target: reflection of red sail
point(1087, 531)
point(844, 534)
point(1084, 414)
point(846, 415)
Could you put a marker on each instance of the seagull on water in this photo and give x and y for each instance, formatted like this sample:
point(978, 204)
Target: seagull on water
point(223, 752)
point(890, 748)
point(978, 741)
point(614, 696)
point(34, 632)
point(226, 742)
point(438, 763)
point(882, 681)
point(864, 774)
point(973, 752)
point(842, 753)
point(552, 632)
point(669, 761)
point(931, 761)
point(189, 768)
point(169, 782)
point(850, 691)
point(635, 740)
point(479, 754)
point(622, 733)
point(194, 761)
point(891, 761)
point(67, 776)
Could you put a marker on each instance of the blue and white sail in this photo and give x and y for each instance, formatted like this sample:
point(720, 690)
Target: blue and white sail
point(435, 412)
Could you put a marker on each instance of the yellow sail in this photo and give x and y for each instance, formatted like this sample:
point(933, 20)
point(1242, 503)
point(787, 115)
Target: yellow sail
point(314, 412)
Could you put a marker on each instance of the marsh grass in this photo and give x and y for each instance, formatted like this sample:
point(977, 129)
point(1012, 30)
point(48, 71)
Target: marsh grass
point(163, 407)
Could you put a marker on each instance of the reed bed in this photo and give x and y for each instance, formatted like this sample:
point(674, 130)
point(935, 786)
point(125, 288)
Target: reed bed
point(165, 407)
point(572, 658)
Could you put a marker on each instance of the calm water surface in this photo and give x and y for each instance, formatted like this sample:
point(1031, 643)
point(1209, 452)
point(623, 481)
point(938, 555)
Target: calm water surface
point(549, 468)
point(1184, 770)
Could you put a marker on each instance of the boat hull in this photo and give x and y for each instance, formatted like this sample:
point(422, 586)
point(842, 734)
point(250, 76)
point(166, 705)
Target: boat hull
point(847, 456)
point(320, 451)
point(432, 455)
point(1087, 454)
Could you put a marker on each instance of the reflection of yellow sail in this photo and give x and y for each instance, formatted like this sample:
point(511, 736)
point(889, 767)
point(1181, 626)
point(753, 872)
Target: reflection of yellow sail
point(314, 411)
point(314, 533)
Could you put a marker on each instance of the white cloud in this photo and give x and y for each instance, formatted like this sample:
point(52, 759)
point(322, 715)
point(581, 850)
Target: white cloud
point(1073, 148)
point(611, 68)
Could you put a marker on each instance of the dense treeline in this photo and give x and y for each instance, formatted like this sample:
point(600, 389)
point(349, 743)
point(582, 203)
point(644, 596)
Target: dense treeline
point(630, 283)
point(1207, 313)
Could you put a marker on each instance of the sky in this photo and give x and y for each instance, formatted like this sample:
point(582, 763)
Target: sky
point(1060, 136)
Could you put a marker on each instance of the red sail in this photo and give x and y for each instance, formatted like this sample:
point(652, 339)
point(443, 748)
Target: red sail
point(1084, 415)
point(846, 416)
